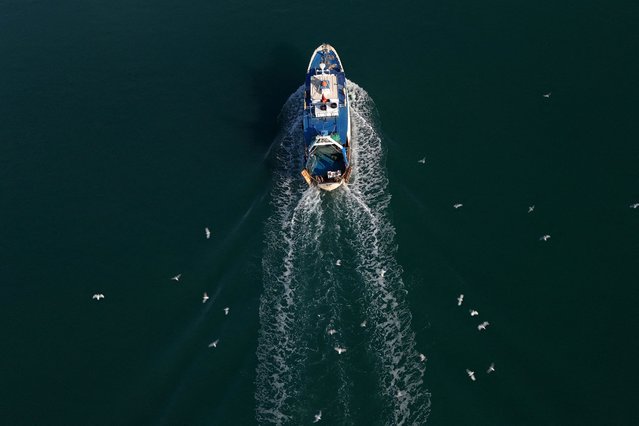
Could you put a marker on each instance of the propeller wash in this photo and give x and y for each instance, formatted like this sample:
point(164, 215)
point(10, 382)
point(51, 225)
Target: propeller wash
point(305, 293)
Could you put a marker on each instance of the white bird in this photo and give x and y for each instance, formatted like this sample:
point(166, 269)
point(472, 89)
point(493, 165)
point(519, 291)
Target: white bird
point(460, 299)
point(471, 374)
point(634, 206)
point(531, 208)
point(458, 205)
point(382, 272)
point(483, 325)
point(363, 324)
point(207, 231)
point(98, 296)
point(318, 417)
point(213, 344)
point(226, 310)
point(340, 350)
point(473, 313)
point(338, 262)
point(399, 394)
point(547, 95)
point(422, 161)
point(331, 331)
point(422, 358)
point(177, 277)
point(491, 368)
point(205, 297)
point(544, 237)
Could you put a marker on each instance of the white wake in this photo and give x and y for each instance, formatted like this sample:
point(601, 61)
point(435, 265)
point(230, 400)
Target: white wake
point(302, 239)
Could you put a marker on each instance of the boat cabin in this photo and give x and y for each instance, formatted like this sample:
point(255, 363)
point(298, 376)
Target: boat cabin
point(324, 95)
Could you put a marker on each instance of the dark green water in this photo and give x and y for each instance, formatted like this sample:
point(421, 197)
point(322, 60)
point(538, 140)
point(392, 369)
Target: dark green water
point(126, 127)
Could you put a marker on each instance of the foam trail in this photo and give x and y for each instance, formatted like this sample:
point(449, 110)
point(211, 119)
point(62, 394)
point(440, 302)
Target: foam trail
point(300, 246)
point(291, 233)
point(280, 353)
point(330, 308)
point(366, 201)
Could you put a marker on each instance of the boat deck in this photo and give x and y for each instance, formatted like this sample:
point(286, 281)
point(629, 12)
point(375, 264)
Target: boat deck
point(317, 90)
point(323, 162)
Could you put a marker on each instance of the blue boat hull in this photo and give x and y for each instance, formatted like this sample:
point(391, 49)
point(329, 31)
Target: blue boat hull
point(326, 121)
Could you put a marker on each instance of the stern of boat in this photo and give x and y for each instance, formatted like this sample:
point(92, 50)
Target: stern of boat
point(330, 186)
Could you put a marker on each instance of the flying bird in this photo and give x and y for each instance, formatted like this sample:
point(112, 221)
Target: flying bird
point(338, 262)
point(318, 417)
point(382, 272)
point(207, 231)
point(491, 368)
point(471, 374)
point(205, 297)
point(363, 324)
point(422, 358)
point(634, 206)
point(213, 344)
point(547, 95)
point(531, 208)
point(460, 299)
point(331, 331)
point(544, 237)
point(98, 296)
point(340, 350)
point(483, 325)
point(399, 394)
point(177, 277)
point(473, 313)
point(422, 161)
point(458, 205)
point(226, 310)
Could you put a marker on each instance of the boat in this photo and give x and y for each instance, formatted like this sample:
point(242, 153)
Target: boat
point(326, 121)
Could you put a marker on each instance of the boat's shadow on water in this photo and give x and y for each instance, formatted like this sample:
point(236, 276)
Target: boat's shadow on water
point(271, 83)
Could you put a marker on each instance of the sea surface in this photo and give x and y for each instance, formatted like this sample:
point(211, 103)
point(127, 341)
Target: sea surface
point(127, 127)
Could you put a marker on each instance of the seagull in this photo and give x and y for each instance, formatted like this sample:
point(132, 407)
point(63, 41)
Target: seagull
point(213, 344)
point(98, 296)
point(544, 237)
point(483, 325)
point(531, 208)
point(471, 374)
point(422, 358)
point(473, 313)
point(399, 394)
point(382, 272)
point(340, 350)
point(363, 324)
point(205, 297)
point(318, 417)
point(491, 368)
point(458, 205)
point(338, 262)
point(177, 277)
point(207, 231)
point(226, 310)
point(422, 161)
point(331, 331)
point(547, 95)
point(634, 206)
point(460, 299)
